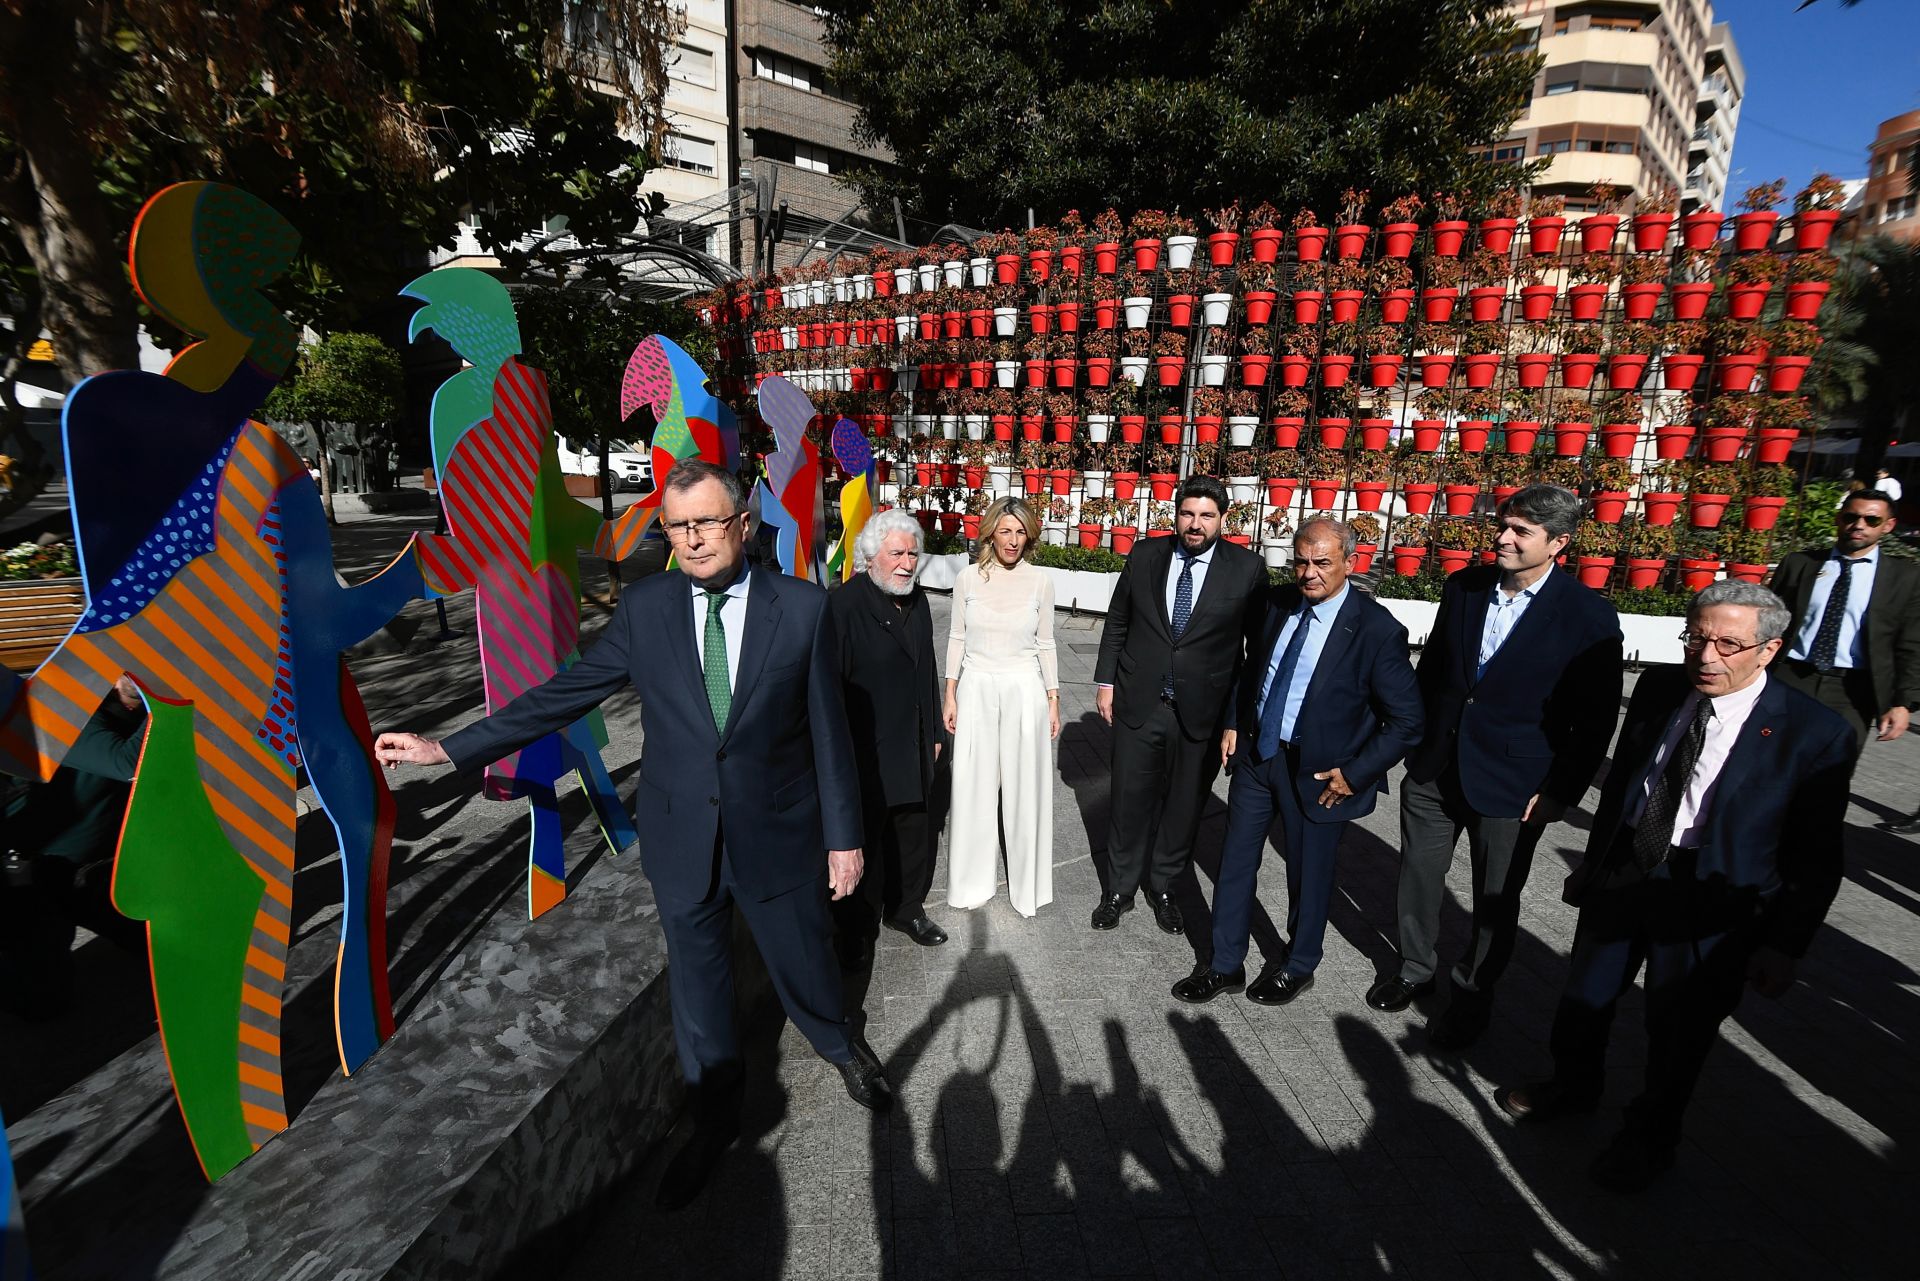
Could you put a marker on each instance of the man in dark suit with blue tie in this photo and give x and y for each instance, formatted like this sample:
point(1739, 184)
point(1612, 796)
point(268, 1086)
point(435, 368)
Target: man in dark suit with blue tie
point(1521, 678)
point(1714, 855)
point(748, 793)
point(1327, 705)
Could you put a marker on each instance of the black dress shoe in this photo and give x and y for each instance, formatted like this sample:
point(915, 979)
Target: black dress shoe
point(1203, 984)
point(920, 929)
point(1630, 1164)
point(1908, 826)
point(1546, 1101)
point(1167, 913)
point(866, 1083)
point(1395, 994)
point(1278, 989)
point(681, 1182)
point(1112, 906)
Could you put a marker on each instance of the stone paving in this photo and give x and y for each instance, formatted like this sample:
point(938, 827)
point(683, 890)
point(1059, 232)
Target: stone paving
point(1060, 1115)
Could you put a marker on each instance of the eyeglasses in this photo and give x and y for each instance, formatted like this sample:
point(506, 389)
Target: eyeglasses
point(1871, 522)
point(1725, 646)
point(706, 526)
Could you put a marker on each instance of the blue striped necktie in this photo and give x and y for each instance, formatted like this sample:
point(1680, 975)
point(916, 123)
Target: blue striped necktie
point(1182, 612)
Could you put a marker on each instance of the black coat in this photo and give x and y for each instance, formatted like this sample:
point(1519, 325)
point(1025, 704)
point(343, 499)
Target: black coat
point(891, 681)
point(1137, 646)
point(1892, 643)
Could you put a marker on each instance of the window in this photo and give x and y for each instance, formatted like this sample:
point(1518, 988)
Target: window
point(1563, 86)
point(696, 155)
point(808, 156)
point(1553, 148)
point(1560, 26)
point(1614, 24)
point(1899, 209)
point(691, 65)
point(783, 70)
point(1515, 153)
point(1879, 167)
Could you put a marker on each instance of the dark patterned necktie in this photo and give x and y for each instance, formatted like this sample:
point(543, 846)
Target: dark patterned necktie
point(714, 658)
point(1182, 611)
point(1654, 836)
point(1826, 641)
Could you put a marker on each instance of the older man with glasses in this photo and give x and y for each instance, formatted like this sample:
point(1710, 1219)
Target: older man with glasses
point(1713, 857)
point(1854, 643)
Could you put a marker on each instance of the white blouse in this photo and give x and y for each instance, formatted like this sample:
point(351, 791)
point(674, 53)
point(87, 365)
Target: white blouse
point(1003, 622)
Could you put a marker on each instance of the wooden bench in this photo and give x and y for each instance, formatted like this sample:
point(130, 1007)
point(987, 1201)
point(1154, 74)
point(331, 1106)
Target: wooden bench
point(35, 616)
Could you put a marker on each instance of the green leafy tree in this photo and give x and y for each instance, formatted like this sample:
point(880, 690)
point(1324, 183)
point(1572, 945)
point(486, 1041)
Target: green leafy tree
point(992, 109)
point(347, 388)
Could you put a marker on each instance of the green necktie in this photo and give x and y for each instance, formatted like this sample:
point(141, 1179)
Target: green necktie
point(714, 654)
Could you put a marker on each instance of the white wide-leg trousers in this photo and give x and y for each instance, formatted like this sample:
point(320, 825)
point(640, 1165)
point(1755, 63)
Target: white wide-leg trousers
point(1002, 771)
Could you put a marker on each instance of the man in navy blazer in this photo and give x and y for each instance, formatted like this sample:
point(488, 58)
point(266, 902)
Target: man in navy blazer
point(1521, 678)
point(1714, 855)
point(748, 793)
point(1327, 705)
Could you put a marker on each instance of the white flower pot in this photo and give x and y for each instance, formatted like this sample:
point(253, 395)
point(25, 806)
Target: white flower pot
point(1243, 489)
point(1054, 535)
point(907, 378)
point(817, 292)
point(903, 280)
point(1006, 373)
point(1098, 426)
point(1180, 252)
point(1095, 483)
point(1001, 479)
point(981, 270)
point(1136, 310)
point(903, 327)
point(789, 337)
point(841, 378)
point(923, 424)
point(928, 276)
point(976, 425)
point(1241, 431)
point(863, 286)
point(1213, 371)
point(1134, 369)
point(1213, 308)
point(1277, 554)
point(956, 272)
point(1005, 321)
point(950, 426)
point(842, 288)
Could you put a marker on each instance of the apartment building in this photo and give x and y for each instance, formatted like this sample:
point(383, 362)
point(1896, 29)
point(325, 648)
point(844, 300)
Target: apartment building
point(1887, 206)
point(1716, 118)
point(1617, 100)
point(697, 161)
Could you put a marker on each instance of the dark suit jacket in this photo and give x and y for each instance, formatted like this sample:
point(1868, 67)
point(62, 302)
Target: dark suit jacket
point(1892, 643)
point(891, 682)
point(1539, 720)
point(780, 780)
point(1137, 646)
point(1775, 822)
point(1362, 710)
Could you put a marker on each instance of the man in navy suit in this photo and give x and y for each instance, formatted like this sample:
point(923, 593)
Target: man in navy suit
point(1521, 678)
point(1326, 707)
point(748, 794)
point(1714, 856)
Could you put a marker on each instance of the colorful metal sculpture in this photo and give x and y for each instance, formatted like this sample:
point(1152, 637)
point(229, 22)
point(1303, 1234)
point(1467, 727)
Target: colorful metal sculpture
point(14, 1263)
point(854, 453)
point(790, 494)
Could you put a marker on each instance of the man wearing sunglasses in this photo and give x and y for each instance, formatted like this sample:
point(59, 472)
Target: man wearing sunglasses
point(1855, 639)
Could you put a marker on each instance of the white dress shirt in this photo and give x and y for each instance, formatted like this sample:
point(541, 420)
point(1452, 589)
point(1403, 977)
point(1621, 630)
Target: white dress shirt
point(1888, 486)
point(1852, 623)
point(1200, 564)
point(733, 618)
point(1323, 615)
point(1730, 712)
point(1504, 611)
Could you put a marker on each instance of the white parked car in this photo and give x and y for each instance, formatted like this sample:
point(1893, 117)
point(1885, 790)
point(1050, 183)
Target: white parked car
point(629, 465)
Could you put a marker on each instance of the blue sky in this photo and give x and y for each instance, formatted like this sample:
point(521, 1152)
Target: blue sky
point(1818, 84)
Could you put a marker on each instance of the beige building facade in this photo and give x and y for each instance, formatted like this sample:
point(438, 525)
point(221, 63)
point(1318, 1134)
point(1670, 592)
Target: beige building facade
point(1888, 205)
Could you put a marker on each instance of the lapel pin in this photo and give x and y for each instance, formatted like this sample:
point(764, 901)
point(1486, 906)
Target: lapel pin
point(1765, 730)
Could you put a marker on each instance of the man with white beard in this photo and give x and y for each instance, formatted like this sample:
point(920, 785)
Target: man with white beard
point(891, 681)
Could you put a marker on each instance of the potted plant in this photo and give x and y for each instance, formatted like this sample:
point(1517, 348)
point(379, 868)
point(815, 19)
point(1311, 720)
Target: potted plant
point(1619, 415)
point(1238, 522)
point(1462, 476)
point(1366, 537)
point(1790, 347)
point(1753, 228)
point(1610, 480)
point(1399, 224)
point(1163, 470)
point(1289, 416)
point(1648, 549)
point(1809, 277)
point(1778, 423)
point(1815, 210)
point(1748, 280)
point(1663, 488)
point(1699, 558)
point(1653, 219)
point(1276, 547)
point(1391, 281)
point(1350, 236)
point(1169, 357)
point(1160, 519)
point(1225, 236)
point(1545, 223)
point(1712, 488)
point(1325, 470)
point(1598, 229)
point(1148, 230)
point(1095, 515)
point(1107, 231)
point(1746, 552)
point(1309, 292)
point(1768, 488)
point(1449, 224)
point(1309, 237)
point(1281, 470)
point(1263, 232)
point(1181, 238)
point(1409, 545)
point(1455, 540)
point(1370, 472)
point(1595, 547)
point(974, 507)
point(1499, 218)
point(1243, 418)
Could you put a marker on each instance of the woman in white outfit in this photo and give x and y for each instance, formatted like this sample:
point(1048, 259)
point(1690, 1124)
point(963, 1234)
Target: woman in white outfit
point(1003, 709)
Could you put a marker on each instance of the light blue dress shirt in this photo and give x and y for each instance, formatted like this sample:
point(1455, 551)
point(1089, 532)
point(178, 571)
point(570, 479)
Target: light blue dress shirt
point(1322, 616)
point(1503, 615)
point(1852, 623)
point(1200, 564)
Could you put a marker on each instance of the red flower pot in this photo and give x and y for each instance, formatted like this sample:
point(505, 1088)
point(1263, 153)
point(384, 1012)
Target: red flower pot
point(1333, 432)
point(1124, 485)
point(1254, 369)
point(1804, 298)
point(1220, 247)
point(1280, 490)
point(1785, 372)
point(1259, 306)
point(1626, 369)
point(1286, 432)
point(1472, 435)
point(1161, 485)
point(950, 522)
point(1040, 264)
point(1722, 444)
point(1396, 239)
point(1374, 432)
point(1383, 371)
point(1294, 369)
point(1180, 310)
point(1065, 372)
point(1436, 368)
point(1346, 305)
point(1106, 257)
point(1543, 234)
point(1419, 496)
point(1698, 229)
point(1752, 231)
point(1036, 371)
point(1639, 301)
point(1168, 369)
point(1745, 301)
point(1003, 426)
point(1660, 509)
point(1680, 371)
point(1146, 253)
point(1650, 231)
point(1206, 428)
point(1453, 559)
point(1089, 534)
point(1536, 302)
point(1775, 443)
point(1322, 490)
point(1133, 428)
point(1062, 426)
point(1363, 554)
point(1698, 573)
point(1671, 440)
point(1570, 439)
point(1335, 369)
point(1350, 240)
point(1099, 371)
point(1609, 505)
point(1533, 367)
point(1106, 312)
point(1645, 572)
point(1407, 560)
point(1310, 243)
point(1594, 571)
point(1394, 306)
point(1484, 303)
point(1520, 436)
point(1690, 299)
point(1306, 306)
point(1034, 479)
point(882, 287)
point(1436, 305)
point(1040, 317)
point(1597, 232)
point(1736, 373)
point(1368, 493)
point(1496, 234)
point(1761, 513)
point(1746, 573)
point(1427, 433)
point(1006, 269)
point(1170, 429)
point(1585, 301)
point(1577, 368)
point(1066, 315)
point(1265, 242)
point(1461, 498)
point(1123, 537)
point(1812, 228)
point(973, 476)
point(1618, 439)
point(1448, 236)
point(1705, 510)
